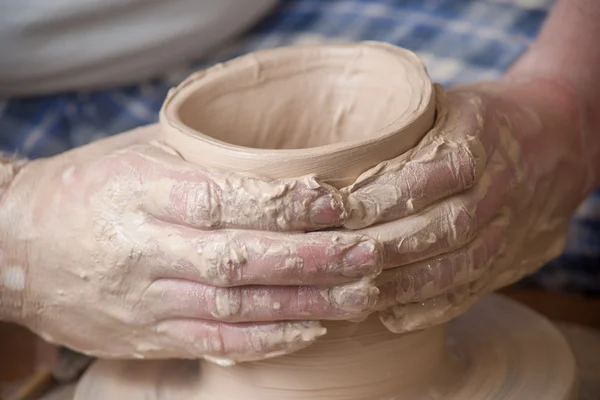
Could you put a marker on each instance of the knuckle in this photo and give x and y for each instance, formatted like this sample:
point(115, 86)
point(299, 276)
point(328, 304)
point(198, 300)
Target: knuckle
point(223, 260)
point(227, 304)
point(133, 317)
point(196, 203)
point(463, 226)
point(214, 343)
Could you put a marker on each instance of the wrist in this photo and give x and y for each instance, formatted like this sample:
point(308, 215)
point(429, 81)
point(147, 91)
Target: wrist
point(12, 274)
point(581, 110)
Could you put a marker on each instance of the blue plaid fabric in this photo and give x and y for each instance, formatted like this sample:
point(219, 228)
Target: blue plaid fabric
point(459, 40)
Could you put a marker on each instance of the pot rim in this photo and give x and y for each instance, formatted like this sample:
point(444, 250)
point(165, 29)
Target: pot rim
point(170, 118)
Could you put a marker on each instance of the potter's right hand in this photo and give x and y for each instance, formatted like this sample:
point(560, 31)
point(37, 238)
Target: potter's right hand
point(484, 199)
point(122, 249)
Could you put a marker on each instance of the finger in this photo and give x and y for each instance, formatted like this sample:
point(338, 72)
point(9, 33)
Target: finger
point(174, 299)
point(237, 258)
point(227, 344)
point(179, 192)
point(421, 181)
point(427, 279)
point(425, 314)
point(422, 314)
point(448, 161)
point(446, 226)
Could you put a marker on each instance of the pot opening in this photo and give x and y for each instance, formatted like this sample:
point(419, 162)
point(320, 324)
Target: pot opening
point(300, 98)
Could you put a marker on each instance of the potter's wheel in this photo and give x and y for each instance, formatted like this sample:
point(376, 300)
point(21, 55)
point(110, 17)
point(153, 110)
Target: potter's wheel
point(498, 350)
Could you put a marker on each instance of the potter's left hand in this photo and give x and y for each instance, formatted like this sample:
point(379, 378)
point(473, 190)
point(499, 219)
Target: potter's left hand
point(483, 200)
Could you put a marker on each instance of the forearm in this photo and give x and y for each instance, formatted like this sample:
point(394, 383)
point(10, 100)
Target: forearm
point(567, 53)
point(568, 47)
point(12, 274)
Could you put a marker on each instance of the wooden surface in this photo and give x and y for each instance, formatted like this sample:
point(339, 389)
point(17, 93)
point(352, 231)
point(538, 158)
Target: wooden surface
point(570, 308)
point(19, 353)
point(25, 363)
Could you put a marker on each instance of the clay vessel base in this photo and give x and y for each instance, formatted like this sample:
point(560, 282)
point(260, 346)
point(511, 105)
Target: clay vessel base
point(499, 350)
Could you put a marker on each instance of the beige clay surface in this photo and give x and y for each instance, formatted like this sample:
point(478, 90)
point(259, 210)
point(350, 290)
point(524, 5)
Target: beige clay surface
point(332, 111)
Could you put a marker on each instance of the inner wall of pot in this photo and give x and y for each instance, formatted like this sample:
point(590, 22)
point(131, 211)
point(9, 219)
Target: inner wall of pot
point(300, 99)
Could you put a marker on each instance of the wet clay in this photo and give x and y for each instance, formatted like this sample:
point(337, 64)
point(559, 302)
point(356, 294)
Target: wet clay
point(333, 112)
point(498, 350)
point(330, 111)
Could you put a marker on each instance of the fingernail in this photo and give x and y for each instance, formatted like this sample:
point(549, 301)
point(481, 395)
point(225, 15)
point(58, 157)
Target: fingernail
point(327, 210)
point(362, 260)
point(356, 297)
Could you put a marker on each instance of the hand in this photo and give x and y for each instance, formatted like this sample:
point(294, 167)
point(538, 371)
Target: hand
point(126, 250)
point(483, 200)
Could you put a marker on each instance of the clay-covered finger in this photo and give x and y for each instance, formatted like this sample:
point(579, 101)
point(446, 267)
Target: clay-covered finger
point(227, 344)
point(431, 278)
point(411, 317)
point(446, 226)
point(173, 299)
point(421, 181)
point(236, 258)
point(450, 159)
point(181, 193)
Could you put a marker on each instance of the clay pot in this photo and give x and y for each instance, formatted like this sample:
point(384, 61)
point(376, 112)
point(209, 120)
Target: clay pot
point(332, 111)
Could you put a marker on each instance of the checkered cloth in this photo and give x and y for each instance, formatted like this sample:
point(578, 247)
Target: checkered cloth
point(459, 40)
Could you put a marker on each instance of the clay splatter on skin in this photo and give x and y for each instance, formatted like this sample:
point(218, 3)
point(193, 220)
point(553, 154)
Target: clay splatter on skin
point(12, 278)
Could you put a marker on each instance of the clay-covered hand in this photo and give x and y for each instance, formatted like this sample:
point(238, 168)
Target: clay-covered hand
point(484, 199)
point(123, 249)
